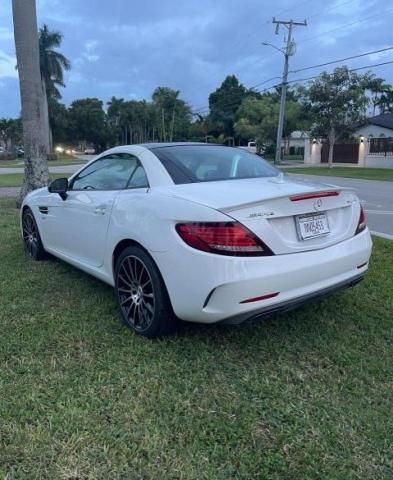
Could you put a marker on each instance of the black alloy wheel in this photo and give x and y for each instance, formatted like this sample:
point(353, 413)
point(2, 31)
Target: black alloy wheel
point(141, 294)
point(31, 236)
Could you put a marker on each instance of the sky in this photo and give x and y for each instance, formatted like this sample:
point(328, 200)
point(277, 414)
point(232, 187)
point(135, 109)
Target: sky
point(127, 48)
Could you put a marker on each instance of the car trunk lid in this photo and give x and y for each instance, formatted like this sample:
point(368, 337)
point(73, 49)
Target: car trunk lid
point(279, 209)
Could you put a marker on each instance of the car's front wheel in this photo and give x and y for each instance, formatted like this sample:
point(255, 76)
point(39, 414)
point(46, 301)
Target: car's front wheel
point(141, 294)
point(31, 236)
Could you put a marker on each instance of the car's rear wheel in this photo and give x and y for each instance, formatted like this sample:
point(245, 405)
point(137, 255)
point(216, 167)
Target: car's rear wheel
point(141, 294)
point(31, 236)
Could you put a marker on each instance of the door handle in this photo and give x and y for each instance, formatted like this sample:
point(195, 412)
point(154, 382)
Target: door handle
point(100, 210)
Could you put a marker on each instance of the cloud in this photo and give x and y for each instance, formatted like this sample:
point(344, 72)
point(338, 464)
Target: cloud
point(118, 46)
point(91, 58)
point(91, 45)
point(7, 65)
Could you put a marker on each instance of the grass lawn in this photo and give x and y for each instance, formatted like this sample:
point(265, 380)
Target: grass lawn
point(296, 158)
point(349, 172)
point(15, 179)
point(305, 395)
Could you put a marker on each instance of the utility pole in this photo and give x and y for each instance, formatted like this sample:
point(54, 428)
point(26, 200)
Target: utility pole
point(288, 51)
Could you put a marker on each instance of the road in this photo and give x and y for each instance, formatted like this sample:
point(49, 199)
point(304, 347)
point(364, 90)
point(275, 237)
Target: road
point(376, 196)
point(13, 191)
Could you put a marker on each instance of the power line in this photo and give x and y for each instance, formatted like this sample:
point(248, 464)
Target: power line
point(299, 80)
point(263, 83)
point(312, 67)
point(361, 20)
point(244, 40)
point(341, 60)
point(350, 70)
point(201, 110)
point(328, 10)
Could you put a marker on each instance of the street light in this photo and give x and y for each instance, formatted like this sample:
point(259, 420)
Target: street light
point(267, 44)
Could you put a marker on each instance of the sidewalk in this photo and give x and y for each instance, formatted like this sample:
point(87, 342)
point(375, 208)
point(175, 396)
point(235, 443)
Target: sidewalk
point(57, 169)
point(9, 191)
point(295, 164)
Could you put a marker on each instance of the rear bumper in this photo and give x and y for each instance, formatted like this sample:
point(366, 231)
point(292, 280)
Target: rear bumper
point(210, 288)
point(292, 304)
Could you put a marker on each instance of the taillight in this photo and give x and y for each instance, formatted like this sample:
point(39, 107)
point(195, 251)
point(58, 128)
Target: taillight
point(362, 221)
point(222, 238)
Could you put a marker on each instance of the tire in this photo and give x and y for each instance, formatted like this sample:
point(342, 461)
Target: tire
point(31, 236)
point(141, 294)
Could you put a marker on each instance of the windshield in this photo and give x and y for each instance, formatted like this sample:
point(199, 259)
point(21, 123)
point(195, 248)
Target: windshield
point(207, 163)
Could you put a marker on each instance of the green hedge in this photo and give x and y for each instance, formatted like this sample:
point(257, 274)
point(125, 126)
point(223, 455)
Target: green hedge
point(7, 156)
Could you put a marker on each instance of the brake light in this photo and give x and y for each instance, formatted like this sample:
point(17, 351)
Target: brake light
point(362, 221)
point(262, 297)
point(308, 196)
point(222, 238)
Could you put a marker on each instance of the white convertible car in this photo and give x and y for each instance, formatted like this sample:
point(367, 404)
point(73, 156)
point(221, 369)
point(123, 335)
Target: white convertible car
point(200, 232)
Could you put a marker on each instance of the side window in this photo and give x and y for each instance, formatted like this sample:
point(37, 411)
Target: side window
point(112, 172)
point(138, 178)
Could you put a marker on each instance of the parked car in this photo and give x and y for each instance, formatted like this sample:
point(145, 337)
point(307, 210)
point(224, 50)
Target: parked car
point(200, 232)
point(251, 147)
point(89, 151)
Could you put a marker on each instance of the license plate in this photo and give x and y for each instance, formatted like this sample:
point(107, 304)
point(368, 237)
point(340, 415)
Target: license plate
point(312, 225)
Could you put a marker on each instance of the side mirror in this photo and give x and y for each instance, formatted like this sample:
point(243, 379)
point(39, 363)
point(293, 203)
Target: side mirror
point(60, 186)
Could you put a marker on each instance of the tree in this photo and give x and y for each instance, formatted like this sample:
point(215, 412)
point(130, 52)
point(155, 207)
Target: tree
point(257, 118)
point(52, 65)
point(338, 102)
point(377, 88)
point(87, 122)
point(35, 133)
point(10, 132)
point(172, 113)
point(59, 121)
point(116, 120)
point(385, 100)
point(223, 105)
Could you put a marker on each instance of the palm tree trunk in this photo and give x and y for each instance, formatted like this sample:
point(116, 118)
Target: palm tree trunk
point(50, 139)
point(35, 135)
point(46, 114)
point(332, 139)
point(163, 134)
point(172, 124)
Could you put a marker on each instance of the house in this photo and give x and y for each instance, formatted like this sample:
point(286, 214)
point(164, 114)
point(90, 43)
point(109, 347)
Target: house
point(379, 126)
point(295, 143)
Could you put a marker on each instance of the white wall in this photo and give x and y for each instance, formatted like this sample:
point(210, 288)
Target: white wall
point(373, 130)
point(379, 161)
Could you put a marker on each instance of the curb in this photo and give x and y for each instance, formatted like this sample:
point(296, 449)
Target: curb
point(386, 236)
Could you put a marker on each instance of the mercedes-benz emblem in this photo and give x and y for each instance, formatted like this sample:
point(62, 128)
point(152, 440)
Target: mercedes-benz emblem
point(318, 204)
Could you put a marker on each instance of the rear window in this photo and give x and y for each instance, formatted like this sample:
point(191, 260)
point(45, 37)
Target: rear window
point(200, 163)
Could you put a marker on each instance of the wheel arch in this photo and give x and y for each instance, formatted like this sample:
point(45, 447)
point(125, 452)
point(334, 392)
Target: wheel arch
point(122, 245)
point(125, 243)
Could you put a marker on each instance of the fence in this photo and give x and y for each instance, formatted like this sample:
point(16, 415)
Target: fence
point(381, 146)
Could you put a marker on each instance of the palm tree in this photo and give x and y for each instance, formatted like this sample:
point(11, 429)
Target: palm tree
point(385, 101)
point(35, 131)
point(116, 118)
point(377, 87)
point(52, 65)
